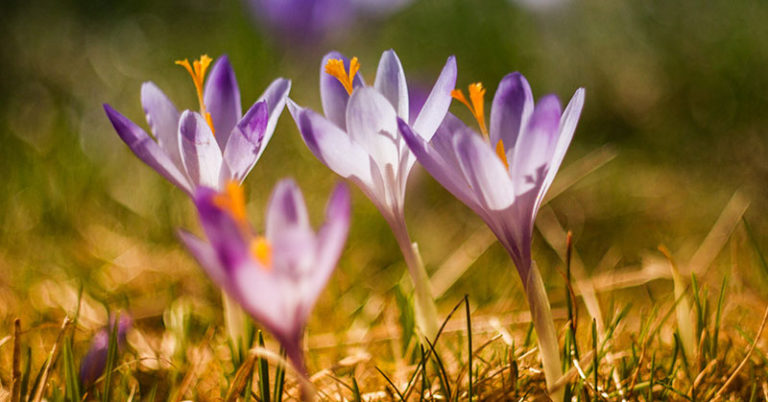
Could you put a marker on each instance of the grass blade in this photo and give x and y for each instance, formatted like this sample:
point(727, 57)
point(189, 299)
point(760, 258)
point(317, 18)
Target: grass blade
point(279, 378)
point(263, 365)
point(469, 342)
point(70, 372)
point(111, 359)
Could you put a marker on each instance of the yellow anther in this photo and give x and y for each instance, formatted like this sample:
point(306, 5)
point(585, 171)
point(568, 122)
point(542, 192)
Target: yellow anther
point(261, 250)
point(501, 153)
point(335, 67)
point(476, 94)
point(197, 70)
point(232, 200)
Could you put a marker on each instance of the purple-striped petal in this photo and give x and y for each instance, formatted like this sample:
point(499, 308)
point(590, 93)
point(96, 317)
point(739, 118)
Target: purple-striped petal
point(276, 95)
point(436, 105)
point(163, 119)
point(372, 123)
point(286, 210)
point(332, 94)
point(535, 146)
point(199, 151)
point(441, 161)
point(567, 127)
point(246, 143)
point(512, 107)
point(222, 231)
point(484, 171)
point(331, 145)
point(147, 149)
point(390, 82)
point(222, 99)
point(329, 242)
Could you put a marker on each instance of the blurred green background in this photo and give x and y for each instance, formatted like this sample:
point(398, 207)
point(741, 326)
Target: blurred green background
point(678, 90)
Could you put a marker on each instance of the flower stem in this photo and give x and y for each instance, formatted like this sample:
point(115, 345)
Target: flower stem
point(541, 315)
point(424, 303)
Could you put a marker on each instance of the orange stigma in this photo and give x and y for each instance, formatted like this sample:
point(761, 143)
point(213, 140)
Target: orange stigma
point(501, 153)
point(335, 67)
point(261, 250)
point(197, 70)
point(476, 93)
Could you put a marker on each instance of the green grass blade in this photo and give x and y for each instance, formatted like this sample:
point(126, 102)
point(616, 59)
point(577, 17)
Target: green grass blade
point(279, 379)
point(70, 372)
point(356, 391)
point(111, 360)
point(469, 350)
point(263, 365)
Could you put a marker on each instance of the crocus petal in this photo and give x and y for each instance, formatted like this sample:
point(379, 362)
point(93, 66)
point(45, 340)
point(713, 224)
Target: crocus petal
point(245, 144)
point(536, 145)
point(270, 299)
point(222, 98)
point(332, 94)
point(484, 172)
point(330, 241)
point(331, 145)
point(511, 109)
point(568, 122)
point(436, 105)
point(207, 258)
point(441, 162)
point(163, 119)
point(390, 82)
point(372, 123)
point(286, 209)
point(276, 96)
point(224, 234)
point(147, 149)
point(199, 151)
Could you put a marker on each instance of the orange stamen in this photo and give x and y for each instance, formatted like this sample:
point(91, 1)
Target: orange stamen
point(197, 70)
point(262, 251)
point(335, 67)
point(232, 201)
point(476, 94)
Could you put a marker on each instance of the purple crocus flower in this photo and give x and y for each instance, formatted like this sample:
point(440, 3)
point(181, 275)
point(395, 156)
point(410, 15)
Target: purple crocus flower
point(209, 147)
point(504, 175)
point(278, 277)
point(358, 139)
point(95, 361)
point(304, 22)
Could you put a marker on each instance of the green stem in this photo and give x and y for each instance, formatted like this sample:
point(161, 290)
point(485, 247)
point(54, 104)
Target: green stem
point(541, 315)
point(424, 307)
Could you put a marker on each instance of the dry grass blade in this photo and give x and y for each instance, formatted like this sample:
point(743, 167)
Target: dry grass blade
point(724, 388)
point(241, 378)
point(460, 260)
point(700, 378)
point(49, 362)
point(572, 372)
point(580, 169)
point(718, 235)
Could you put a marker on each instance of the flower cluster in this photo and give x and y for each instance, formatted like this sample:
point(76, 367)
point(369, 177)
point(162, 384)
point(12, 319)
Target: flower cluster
point(370, 135)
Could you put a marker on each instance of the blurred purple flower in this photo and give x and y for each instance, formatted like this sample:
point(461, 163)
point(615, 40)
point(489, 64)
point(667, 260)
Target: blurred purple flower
point(211, 147)
point(359, 140)
point(504, 174)
point(311, 21)
point(277, 278)
point(95, 361)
